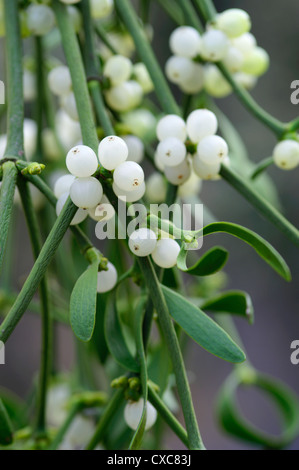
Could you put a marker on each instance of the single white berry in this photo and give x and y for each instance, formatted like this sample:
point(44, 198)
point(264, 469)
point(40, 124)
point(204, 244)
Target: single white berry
point(233, 22)
point(234, 59)
point(158, 164)
point(244, 43)
point(69, 105)
point(214, 82)
point(212, 149)
point(80, 215)
point(59, 80)
point(156, 188)
point(166, 253)
point(201, 123)
point(179, 69)
point(178, 174)
point(191, 187)
point(129, 196)
point(171, 126)
point(76, 18)
point(286, 154)
point(206, 171)
point(81, 161)
point(171, 151)
point(40, 19)
point(128, 176)
point(112, 152)
point(256, 62)
point(124, 97)
point(86, 192)
point(214, 45)
point(68, 131)
point(101, 8)
point(133, 413)
point(103, 211)
point(245, 80)
point(141, 121)
point(142, 76)
point(107, 279)
point(185, 41)
point(118, 69)
point(30, 135)
point(195, 83)
point(142, 242)
point(135, 148)
point(63, 185)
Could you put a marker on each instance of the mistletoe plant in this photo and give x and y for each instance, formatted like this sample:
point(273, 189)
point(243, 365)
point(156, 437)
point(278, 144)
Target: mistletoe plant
point(133, 299)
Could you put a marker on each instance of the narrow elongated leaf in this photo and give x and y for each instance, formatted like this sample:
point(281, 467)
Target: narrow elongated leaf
point(235, 423)
point(98, 340)
point(233, 302)
point(201, 328)
point(138, 322)
point(116, 341)
point(83, 303)
point(210, 263)
point(261, 246)
point(5, 426)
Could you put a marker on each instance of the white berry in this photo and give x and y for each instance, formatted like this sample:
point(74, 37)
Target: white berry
point(128, 176)
point(171, 126)
point(135, 148)
point(118, 69)
point(244, 43)
point(204, 170)
point(212, 149)
point(286, 154)
point(179, 69)
point(233, 59)
point(214, 45)
point(69, 105)
point(63, 185)
point(214, 82)
point(59, 80)
point(107, 279)
point(86, 192)
point(129, 196)
point(40, 19)
point(156, 188)
point(103, 211)
point(142, 242)
point(80, 215)
point(178, 174)
point(125, 96)
point(171, 151)
point(112, 152)
point(101, 8)
point(195, 82)
point(233, 22)
point(185, 41)
point(201, 123)
point(256, 62)
point(166, 253)
point(81, 161)
point(133, 413)
point(142, 76)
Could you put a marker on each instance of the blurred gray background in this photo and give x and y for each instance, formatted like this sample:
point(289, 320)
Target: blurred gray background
point(275, 25)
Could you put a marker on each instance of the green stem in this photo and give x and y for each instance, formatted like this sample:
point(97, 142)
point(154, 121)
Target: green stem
point(261, 167)
point(15, 101)
point(92, 66)
point(40, 96)
point(45, 308)
point(113, 405)
point(172, 10)
point(103, 36)
point(7, 192)
point(171, 339)
point(129, 17)
point(75, 64)
point(168, 417)
point(257, 201)
point(65, 427)
point(38, 271)
point(190, 15)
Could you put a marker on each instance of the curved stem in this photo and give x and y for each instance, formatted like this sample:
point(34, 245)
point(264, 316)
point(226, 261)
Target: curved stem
point(7, 192)
point(45, 308)
point(260, 203)
point(15, 100)
point(261, 167)
point(150, 277)
point(190, 15)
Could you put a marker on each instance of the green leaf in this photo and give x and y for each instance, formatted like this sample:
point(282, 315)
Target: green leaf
point(234, 422)
point(6, 436)
point(210, 263)
point(261, 246)
point(83, 303)
point(138, 323)
point(232, 302)
point(201, 328)
point(116, 341)
point(159, 367)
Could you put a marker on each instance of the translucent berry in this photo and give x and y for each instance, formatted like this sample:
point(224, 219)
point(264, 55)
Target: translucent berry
point(133, 413)
point(128, 176)
point(206, 171)
point(118, 69)
point(185, 41)
point(63, 185)
point(171, 151)
point(201, 123)
point(171, 126)
point(112, 152)
point(86, 192)
point(80, 215)
point(135, 148)
point(129, 196)
point(142, 242)
point(81, 161)
point(233, 22)
point(286, 154)
point(40, 19)
point(178, 174)
point(107, 279)
point(166, 253)
point(214, 45)
point(59, 80)
point(212, 149)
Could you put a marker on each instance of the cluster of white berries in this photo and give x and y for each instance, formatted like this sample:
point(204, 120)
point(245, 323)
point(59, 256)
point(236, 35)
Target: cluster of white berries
point(128, 83)
point(133, 413)
point(227, 39)
point(210, 150)
point(286, 154)
point(144, 242)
